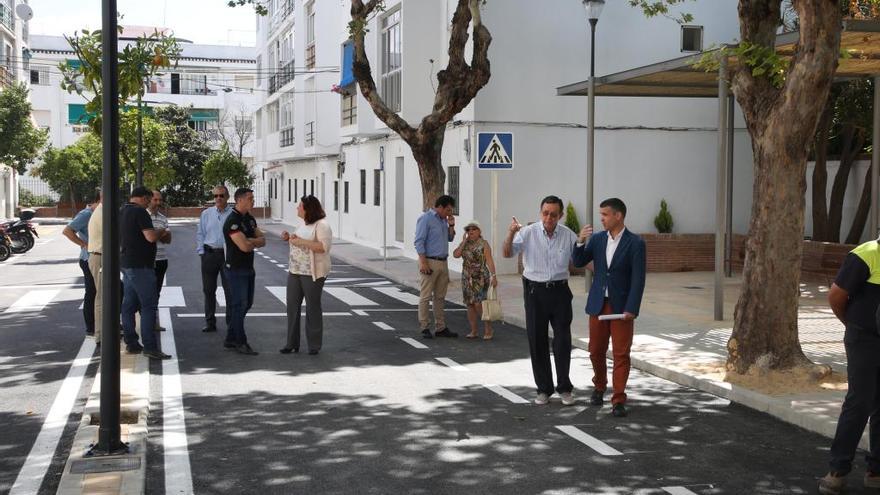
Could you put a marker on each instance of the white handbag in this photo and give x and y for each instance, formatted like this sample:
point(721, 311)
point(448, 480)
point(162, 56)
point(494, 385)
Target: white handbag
point(492, 306)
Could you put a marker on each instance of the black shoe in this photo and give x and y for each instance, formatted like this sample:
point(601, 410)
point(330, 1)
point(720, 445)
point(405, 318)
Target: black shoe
point(619, 411)
point(446, 333)
point(160, 329)
point(230, 345)
point(313, 352)
point(209, 328)
point(246, 349)
point(598, 397)
point(156, 355)
point(90, 333)
point(288, 350)
point(134, 349)
point(426, 334)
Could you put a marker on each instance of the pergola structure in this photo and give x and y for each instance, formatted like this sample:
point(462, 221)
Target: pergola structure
point(678, 78)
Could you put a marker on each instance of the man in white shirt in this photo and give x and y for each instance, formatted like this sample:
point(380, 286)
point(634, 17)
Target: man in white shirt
point(546, 248)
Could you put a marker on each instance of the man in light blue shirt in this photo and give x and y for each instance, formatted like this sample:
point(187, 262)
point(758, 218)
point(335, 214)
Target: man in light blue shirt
point(435, 229)
point(78, 233)
point(209, 245)
point(546, 248)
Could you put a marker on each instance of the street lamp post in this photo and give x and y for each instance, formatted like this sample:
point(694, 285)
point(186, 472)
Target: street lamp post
point(594, 10)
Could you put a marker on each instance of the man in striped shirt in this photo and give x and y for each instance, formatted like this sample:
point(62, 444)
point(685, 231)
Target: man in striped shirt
point(546, 248)
point(160, 222)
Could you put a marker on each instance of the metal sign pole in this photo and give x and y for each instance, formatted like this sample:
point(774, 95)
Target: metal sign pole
point(384, 207)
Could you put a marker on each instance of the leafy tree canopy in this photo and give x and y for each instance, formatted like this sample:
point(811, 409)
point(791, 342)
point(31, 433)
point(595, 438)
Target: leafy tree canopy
point(20, 141)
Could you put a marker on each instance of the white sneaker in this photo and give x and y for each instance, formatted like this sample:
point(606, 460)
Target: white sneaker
point(567, 399)
point(542, 399)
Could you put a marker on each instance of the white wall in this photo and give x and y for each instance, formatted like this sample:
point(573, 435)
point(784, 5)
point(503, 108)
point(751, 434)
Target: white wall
point(850, 199)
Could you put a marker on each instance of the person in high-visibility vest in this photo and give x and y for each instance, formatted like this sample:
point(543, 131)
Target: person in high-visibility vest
point(855, 298)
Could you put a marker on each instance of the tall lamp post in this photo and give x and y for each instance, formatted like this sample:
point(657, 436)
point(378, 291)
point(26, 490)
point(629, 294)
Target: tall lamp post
point(594, 10)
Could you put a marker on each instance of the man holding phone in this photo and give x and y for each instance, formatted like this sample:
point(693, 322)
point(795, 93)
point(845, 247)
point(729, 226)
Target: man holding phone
point(435, 229)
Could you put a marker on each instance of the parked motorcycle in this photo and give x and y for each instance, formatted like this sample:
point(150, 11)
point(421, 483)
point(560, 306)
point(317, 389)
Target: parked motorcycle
point(21, 232)
point(5, 246)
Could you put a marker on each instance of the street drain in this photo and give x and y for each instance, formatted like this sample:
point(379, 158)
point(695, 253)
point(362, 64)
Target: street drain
point(692, 287)
point(125, 418)
point(104, 465)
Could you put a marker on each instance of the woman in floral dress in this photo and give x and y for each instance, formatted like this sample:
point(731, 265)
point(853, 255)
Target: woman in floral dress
point(478, 271)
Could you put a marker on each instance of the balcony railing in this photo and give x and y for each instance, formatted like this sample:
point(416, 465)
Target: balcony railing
point(310, 56)
point(7, 17)
point(310, 134)
point(281, 77)
point(286, 137)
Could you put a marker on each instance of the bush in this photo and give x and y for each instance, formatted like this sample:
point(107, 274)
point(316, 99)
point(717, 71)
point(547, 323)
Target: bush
point(663, 220)
point(571, 218)
point(27, 198)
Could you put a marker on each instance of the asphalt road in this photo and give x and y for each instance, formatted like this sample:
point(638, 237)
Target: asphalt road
point(372, 413)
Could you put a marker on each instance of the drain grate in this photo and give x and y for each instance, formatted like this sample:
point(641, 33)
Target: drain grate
point(104, 465)
point(692, 287)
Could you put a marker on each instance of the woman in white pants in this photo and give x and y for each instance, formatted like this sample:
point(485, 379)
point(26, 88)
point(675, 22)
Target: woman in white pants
point(309, 266)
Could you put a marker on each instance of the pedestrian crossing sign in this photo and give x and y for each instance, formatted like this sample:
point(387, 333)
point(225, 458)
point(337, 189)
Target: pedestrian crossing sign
point(495, 150)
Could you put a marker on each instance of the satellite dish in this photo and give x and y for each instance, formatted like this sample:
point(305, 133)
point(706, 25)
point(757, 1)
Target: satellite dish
point(24, 11)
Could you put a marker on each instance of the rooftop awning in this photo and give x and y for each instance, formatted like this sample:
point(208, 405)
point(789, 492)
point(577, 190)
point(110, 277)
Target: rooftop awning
point(678, 78)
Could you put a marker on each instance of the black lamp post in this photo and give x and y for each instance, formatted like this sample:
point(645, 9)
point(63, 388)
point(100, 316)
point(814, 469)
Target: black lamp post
point(594, 10)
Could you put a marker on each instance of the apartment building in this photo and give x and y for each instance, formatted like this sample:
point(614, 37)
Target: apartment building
point(217, 84)
point(314, 140)
point(14, 57)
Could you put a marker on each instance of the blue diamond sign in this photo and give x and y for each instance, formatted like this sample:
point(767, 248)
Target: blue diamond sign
point(495, 150)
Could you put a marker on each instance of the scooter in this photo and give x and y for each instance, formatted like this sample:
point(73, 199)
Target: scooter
point(21, 232)
point(5, 246)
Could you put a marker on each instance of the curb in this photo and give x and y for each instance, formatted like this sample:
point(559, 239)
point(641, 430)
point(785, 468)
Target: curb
point(106, 476)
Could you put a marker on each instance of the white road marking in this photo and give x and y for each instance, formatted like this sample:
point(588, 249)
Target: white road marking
point(588, 440)
point(34, 300)
point(677, 490)
point(178, 474)
point(452, 364)
point(398, 294)
point(383, 325)
point(507, 394)
point(40, 457)
point(280, 293)
point(403, 309)
point(372, 284)
point(172, 297)
point(331, 281)
point(349, 296)
point(220, 296)
point(46, 286)
point(258, 315)
point(414, 343)
point(359, 312)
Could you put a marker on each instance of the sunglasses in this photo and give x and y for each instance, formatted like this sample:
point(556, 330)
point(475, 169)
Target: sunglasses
point(219, 195)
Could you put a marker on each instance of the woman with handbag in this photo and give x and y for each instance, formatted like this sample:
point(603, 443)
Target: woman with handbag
point(477, 276)
point(309, 266)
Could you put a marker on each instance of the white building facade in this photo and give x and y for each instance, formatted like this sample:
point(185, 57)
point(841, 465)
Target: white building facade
point(315, 141)
point(216, 83)
point(14, 57)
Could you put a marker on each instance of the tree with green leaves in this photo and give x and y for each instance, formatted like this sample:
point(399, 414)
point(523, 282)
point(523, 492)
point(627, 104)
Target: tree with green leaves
point(20, 141)
point(187, 154)
point(138, 61)
point(73, 171)
point(223, 167)
point(157, 171)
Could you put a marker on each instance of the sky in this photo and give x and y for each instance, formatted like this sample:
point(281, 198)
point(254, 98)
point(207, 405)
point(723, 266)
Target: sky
point(200, 21)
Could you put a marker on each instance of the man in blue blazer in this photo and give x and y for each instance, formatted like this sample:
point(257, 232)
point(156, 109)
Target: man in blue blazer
point(618, 258)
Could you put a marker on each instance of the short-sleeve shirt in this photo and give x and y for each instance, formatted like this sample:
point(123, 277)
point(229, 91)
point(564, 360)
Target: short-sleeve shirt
point(236, 259)
point(545, 257)
point(80, 225)
point(160, 222)
point(136, 251)
point(96, 229)
point(856, 278)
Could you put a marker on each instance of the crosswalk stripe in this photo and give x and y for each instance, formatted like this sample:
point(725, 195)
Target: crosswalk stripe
point(331, 281)
point(507, 394)
point(178, 474)
point(677, 490)
point(172, 297)
point(260, 315)
point(221, 297)
point(280, 293)
point(349, 296)
point(33, 300)
point(398, 294)
point(414, 343)
point(452, 364)
point(589, 440)
point(383, 326)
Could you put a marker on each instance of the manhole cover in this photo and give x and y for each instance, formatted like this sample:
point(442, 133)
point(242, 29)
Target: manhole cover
point(106, 465)
point(692, 287)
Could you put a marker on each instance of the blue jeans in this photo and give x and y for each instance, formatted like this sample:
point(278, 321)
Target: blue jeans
point(139, 294)
point(241, 290)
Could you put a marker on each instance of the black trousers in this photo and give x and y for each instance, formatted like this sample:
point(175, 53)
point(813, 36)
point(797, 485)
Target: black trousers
point(212, 266)
point(862, 403)
point(549, 305)
point(89, 298)
point(161, 268)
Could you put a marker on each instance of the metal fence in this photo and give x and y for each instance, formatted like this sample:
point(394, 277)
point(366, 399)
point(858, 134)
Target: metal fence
point(37, 187)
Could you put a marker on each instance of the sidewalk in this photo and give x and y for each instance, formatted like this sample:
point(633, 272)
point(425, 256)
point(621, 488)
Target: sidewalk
point(676, 337)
